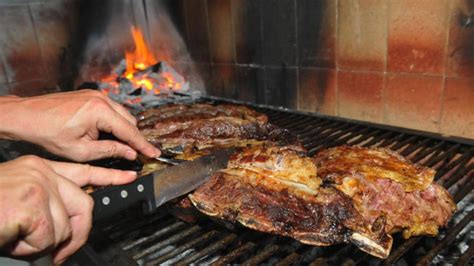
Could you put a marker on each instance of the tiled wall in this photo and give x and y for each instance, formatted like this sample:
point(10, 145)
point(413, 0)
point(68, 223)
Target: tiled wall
point(398, 62)
point(33, 37)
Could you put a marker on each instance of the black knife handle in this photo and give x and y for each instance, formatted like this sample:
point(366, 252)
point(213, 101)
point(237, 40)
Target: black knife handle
point(111, 200)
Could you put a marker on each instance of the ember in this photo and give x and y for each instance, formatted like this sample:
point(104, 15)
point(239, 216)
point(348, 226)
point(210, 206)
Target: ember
point(140, 81)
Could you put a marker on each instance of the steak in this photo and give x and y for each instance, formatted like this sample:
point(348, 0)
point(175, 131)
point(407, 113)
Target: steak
point(182, 113)
point(381, 183)
point(192, 128)
point(276, 190)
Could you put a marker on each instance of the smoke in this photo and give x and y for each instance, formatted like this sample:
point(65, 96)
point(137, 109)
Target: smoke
point(109, 36)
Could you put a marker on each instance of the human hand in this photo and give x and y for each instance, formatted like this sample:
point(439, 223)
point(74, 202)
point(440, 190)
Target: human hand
point(68, 125)
point(42, 208)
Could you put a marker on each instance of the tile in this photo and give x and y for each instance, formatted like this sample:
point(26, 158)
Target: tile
point(457, 118)
point(4, 90)
point(22, 55)
point(247, 21)
point(29, 88)
point(461, 39)
point(55, 24)
point(316, 24)
point(192, 74)
point(3, 75)
point(202, 78)
point(317, 90)
point(223, 82)
point(93, 44)
point(221, 32)
point(197, 30)
point(279, 32)
point(417, 36)
point(359, 95)
point(117, 24)
point(413, 101)
point(249, 83)
point(362, 34)
point(165, 40)
point(176, 12)
point(281, 87)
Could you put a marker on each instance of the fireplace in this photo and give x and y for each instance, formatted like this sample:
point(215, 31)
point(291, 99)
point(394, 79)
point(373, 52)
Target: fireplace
point(387, 62)
point(335, 72)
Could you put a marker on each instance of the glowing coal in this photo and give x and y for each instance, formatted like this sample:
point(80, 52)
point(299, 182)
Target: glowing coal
point(138, 81)
point(154, 85)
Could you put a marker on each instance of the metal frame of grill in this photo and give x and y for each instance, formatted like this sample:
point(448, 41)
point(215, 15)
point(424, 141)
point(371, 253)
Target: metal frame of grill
point(162, 238)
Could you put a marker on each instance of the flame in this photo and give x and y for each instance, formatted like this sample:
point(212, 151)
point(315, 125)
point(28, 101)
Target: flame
point(141, 57)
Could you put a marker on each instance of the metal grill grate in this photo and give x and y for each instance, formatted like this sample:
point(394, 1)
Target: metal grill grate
point(163, 238)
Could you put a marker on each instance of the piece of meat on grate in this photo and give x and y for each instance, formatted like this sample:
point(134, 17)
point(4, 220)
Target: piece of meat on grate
point(174, 113)
point(181, 128)
point(381, 183)
point(276, 190)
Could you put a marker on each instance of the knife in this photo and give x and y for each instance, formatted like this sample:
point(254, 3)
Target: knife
point(157, 188)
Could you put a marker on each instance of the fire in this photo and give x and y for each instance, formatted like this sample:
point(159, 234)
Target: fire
point(141, 57)
point(140, 69)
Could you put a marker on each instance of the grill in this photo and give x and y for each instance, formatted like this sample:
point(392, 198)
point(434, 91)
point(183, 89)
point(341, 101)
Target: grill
point(131, 238)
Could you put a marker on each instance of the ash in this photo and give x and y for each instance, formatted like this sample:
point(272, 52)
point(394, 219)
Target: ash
point(152, 86)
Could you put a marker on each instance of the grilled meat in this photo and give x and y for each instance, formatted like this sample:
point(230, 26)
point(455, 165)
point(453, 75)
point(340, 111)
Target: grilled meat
point(381, 183)
point(276, 190)
point(182, 113)
point(192, 128)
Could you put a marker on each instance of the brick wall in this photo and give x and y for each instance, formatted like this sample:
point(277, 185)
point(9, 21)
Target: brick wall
point(398, 62)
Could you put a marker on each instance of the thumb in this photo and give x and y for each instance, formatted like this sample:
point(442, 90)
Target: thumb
point(109, 148)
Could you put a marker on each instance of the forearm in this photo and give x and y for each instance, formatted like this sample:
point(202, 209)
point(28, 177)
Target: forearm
point(10, 117)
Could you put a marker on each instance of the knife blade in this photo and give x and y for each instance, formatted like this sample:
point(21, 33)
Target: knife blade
point(155, 189)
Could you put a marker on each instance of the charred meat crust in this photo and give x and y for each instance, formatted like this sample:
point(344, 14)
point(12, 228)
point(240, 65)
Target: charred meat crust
point(261, 191)
point(203, 126)
point(182, 112)
point(370, 177)
point(264, 210)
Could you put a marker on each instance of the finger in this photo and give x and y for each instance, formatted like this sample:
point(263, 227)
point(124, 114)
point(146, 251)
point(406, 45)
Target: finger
point(61, 223)
point(122, 111)
point(79, 207)
point(37, 237)
point(83, 174)
point(48, 224)
point(110, 148)
point(117, 125)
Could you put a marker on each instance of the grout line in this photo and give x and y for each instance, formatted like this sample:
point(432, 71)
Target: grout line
point(385, 70)
point(295, 5)
point(446, 65)
point(384, 100)
point(336, 53)
point(186, 27)
point(364, 71)
point(38, 45)
point(208, 32)
point(264, 72)
point(233, 31)
point(387, 29)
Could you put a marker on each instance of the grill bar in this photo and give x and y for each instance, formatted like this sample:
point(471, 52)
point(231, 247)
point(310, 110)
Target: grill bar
point(207, 243)
point(466, 257)
point(447, 239)
point(182, 248)
point(262, 255)
point(234, 254)
point(212, 248)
